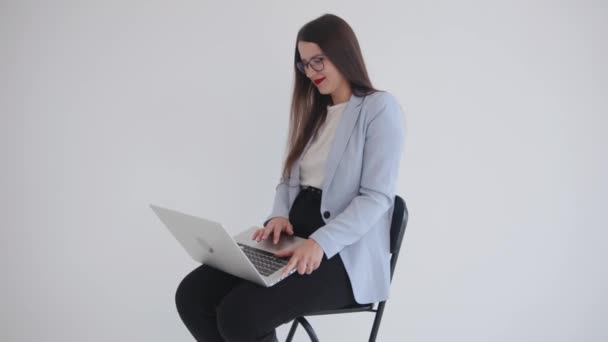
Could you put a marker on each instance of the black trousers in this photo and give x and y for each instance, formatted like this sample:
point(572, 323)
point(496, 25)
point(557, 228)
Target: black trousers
point(216, 306)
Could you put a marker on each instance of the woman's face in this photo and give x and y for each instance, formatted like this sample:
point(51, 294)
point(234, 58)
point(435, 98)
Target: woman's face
point(329, 79)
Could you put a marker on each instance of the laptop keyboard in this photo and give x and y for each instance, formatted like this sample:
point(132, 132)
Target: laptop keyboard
point(265, 262)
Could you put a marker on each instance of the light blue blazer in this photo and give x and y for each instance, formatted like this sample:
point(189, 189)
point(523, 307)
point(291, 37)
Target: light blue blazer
point(358, 192)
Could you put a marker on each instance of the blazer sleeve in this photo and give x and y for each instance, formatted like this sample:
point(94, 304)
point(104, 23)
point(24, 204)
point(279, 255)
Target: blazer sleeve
point(382, 151)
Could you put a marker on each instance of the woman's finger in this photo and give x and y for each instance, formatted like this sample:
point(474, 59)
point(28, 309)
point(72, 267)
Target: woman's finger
point(309, 269)
point(289, 228)
point(302, 267)
point(291, 265)
point(256, 233)
point(277, 233)
point(267, 231)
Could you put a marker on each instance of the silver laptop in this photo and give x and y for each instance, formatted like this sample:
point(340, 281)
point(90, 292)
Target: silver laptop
point(209, 243)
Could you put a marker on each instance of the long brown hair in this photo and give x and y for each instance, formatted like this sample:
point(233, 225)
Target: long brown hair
point(309, 107)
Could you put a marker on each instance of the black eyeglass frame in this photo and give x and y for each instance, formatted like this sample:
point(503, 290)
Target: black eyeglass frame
point(316, 63)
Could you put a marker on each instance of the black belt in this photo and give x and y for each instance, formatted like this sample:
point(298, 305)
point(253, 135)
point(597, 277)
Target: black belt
point(311, 188)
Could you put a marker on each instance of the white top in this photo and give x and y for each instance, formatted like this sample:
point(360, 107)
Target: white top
point(312, 165)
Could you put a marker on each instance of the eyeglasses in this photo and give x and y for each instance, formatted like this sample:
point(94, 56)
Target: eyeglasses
point(316, 63)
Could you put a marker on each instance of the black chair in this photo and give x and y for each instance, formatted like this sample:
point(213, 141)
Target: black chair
point(398, 224)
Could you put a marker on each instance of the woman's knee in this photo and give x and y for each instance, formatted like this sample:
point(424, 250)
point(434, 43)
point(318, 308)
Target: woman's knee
point(183, 293)
point(191, 291)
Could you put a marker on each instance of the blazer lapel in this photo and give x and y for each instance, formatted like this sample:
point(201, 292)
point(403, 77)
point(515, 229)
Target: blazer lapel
point(343, 133)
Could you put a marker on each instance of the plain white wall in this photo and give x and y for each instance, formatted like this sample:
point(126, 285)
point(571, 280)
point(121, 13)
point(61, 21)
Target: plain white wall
point(109, 106)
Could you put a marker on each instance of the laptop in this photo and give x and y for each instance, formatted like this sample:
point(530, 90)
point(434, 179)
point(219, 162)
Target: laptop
point(209, 243)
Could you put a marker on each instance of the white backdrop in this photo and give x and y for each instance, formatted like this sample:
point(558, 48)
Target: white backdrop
point(109, 106)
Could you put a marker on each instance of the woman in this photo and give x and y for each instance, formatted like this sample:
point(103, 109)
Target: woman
point(337, 189)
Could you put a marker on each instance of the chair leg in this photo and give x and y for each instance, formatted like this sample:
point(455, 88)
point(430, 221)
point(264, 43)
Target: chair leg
point(377, 319)
point(292, 331)
point(308, 328)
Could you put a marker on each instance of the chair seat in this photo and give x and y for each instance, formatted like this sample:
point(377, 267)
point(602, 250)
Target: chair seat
point(350, 308)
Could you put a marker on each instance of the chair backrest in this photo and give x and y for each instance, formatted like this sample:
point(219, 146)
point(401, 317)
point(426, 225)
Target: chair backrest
point(398, 224)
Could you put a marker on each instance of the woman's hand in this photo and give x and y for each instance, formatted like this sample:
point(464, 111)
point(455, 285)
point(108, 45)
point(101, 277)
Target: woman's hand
point(275, 227)
point(306, 257)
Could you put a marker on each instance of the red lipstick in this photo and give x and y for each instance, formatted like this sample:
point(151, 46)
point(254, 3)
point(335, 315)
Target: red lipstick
point(317, 82)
